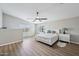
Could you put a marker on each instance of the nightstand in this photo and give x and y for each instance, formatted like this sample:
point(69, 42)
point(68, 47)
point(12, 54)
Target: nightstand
point(64, 37)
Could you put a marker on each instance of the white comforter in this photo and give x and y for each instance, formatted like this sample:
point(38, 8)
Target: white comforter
point(46, 35)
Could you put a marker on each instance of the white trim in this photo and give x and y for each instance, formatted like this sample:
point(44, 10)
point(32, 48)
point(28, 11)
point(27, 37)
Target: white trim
point(74, 42)
point(28, 36)
point(11, 42)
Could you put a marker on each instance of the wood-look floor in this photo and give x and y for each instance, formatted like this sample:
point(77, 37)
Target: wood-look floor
point(30, 47)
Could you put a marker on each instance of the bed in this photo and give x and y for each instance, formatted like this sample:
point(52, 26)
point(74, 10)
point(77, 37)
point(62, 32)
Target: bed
point(49, 39)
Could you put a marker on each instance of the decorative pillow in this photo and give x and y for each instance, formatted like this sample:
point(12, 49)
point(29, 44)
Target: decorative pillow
point(53, 32)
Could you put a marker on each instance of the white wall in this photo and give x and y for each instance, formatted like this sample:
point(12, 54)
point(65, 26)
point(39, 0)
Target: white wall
point(0, 18)
point(10, 36)
point(12, 22)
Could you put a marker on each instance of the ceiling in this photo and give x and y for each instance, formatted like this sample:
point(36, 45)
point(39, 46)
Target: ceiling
point(53, 11)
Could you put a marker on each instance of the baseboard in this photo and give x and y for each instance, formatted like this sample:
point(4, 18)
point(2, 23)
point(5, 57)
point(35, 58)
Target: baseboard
point(70, 42)
point(28, 36)
point(74, 42)
point(11, 43)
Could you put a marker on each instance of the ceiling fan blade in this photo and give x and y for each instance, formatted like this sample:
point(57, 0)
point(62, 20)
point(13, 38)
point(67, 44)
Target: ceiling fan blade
point(43, 18)
point(30, 18)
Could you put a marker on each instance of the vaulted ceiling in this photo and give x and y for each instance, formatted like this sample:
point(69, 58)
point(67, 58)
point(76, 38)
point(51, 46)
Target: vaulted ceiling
point(52, 11)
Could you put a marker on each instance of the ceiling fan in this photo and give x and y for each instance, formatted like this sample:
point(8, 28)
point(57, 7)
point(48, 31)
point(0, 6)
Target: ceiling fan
point(38, 18)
